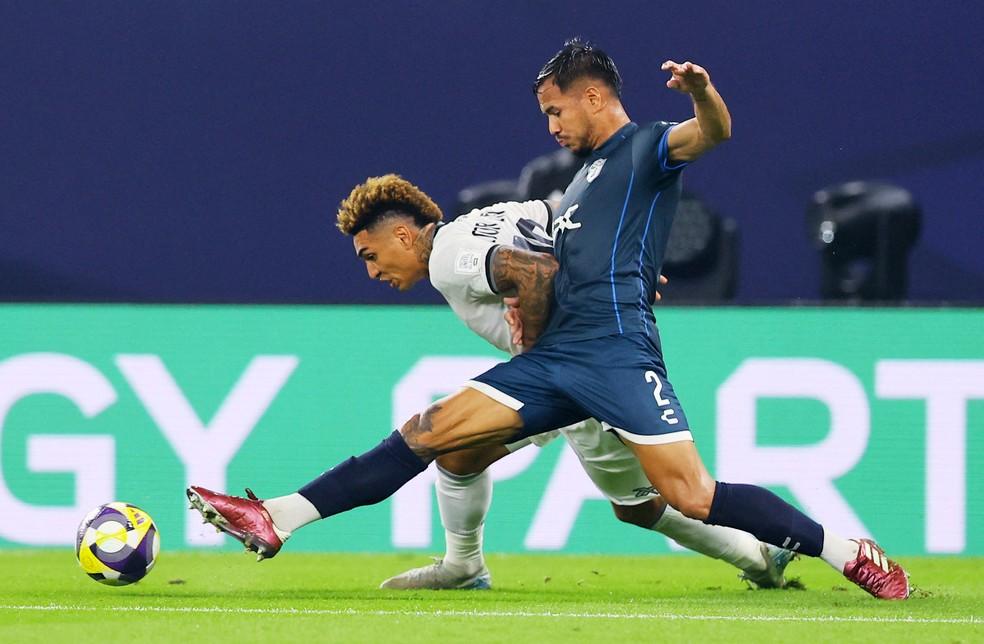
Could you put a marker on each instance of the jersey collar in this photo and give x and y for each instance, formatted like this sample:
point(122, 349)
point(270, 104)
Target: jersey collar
point(614, 141)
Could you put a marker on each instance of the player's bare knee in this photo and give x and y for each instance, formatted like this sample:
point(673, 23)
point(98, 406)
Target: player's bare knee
point(693, 502)
point(454, 463)
point(695, 509)
point(411, 432)
point(420, 437)
point(431, 433)
point(643, 515)
point(466, 461)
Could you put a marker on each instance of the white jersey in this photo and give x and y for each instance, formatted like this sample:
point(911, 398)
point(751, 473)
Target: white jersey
point(459, 269)
point(459, 261)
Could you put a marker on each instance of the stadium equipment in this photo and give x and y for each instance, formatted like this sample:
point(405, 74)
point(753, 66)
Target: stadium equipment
point(245, 520)
point(117, 544)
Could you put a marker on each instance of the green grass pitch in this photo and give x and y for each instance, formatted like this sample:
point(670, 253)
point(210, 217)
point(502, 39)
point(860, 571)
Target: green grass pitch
point(220, 597)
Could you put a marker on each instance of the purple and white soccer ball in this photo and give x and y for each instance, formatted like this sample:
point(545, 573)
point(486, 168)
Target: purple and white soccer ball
point(117, 544)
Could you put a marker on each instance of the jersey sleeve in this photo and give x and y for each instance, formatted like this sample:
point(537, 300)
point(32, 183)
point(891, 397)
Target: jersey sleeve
point(537, 212)
point(459, 265)
point(532, 220)
point(459, 270)
point(659, 150)
point(461, 257)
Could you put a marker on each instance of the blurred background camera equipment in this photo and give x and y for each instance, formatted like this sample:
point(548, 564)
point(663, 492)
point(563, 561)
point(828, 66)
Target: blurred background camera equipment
point(864, 231)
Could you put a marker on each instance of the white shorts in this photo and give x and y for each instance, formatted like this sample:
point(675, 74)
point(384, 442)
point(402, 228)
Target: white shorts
point(611, 465)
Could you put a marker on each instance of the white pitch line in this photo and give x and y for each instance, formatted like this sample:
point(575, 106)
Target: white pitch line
point(352, 612)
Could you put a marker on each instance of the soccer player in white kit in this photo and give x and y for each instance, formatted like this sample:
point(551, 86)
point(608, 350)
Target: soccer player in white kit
point(397, 232)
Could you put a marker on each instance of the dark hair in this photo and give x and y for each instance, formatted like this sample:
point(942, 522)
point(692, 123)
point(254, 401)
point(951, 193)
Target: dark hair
point(580, 59)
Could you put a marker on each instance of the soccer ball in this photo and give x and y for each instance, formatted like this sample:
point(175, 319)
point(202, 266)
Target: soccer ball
point(117, 544)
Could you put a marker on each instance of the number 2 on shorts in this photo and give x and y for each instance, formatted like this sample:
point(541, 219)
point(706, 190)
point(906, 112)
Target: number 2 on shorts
point(667, 416)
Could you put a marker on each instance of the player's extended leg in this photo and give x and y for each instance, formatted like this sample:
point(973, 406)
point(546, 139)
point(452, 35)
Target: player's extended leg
point(676, 470)
point(464, 493)
point(761, 564)
point(615, 470)
point(465, 419)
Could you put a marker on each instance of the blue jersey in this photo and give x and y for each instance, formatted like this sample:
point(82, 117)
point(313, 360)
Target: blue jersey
point(610, 233)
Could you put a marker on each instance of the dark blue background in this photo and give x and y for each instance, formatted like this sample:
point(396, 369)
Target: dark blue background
point(195, 151)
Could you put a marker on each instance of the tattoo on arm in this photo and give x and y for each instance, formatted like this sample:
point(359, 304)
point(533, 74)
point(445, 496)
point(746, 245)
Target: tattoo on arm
point(531, 276)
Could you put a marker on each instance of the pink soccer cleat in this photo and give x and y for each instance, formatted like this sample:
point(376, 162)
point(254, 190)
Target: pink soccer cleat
point(873, 571)
point(245, 520)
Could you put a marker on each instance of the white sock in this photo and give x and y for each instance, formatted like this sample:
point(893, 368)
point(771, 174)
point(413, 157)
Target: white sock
point(464, 502)
point(740, 549)
point(837, 550)
point(291, 512)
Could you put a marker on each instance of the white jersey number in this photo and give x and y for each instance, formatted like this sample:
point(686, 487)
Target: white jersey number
point(668, 414)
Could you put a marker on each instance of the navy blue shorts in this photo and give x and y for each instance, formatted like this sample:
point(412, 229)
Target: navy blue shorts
point(618, 379)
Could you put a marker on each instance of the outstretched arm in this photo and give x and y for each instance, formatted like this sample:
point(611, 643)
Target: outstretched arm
point(529, 276)
point(711, 123)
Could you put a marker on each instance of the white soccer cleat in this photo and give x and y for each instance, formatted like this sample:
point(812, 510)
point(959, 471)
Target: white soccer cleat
point(774, 575)
point(438, 576)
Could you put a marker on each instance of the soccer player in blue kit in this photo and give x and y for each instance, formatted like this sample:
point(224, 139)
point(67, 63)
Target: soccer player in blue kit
point(598, 353)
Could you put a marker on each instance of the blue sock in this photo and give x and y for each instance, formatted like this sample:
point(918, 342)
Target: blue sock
point(762, 513)
point(365, 479)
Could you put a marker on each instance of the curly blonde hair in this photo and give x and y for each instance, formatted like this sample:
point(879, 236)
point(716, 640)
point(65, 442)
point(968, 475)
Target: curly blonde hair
point(381, 197)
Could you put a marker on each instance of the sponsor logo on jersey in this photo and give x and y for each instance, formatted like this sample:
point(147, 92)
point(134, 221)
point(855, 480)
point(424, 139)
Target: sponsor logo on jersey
point(468, 262)
point(595, 169)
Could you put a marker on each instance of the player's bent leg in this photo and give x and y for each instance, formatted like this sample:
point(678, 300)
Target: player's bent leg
point(676, 471)
point(761, 564)
point(780, 523)
point(645, 514)
point(472, 461)
point(464, 493)
point(466, 419)
point(463, 501)
point(615, 470)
